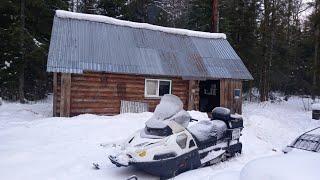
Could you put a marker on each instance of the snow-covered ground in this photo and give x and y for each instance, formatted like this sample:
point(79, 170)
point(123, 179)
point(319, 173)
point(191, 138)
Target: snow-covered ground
point(34, 145)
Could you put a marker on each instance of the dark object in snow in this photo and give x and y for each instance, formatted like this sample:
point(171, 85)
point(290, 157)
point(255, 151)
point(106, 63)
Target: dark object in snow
point(166, 147)
point(316, 114)
point(286, 98)
point(316, 111)
point(96, 166)
point(308, 141)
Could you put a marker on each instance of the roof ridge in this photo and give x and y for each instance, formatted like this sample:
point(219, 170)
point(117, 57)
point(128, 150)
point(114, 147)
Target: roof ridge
point(110, 20)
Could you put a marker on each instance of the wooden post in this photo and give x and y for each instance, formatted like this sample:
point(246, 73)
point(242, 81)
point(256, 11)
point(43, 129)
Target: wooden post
point(215, 17)
point(191, 95)
point(55, 86)
point(65, 95)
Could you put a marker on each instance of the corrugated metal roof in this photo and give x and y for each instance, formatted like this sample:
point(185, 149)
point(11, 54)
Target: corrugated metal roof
point(81, 45)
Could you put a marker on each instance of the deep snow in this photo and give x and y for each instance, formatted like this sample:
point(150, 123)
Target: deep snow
point(300, 165)
point(34, 145)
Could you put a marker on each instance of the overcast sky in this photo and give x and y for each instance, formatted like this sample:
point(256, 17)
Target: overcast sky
point(307, 12)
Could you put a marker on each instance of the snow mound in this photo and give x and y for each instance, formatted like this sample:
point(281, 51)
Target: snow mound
point(293, 166)
point(109, 20)
point(316, 106)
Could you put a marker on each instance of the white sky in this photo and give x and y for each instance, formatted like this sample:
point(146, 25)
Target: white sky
point(307, 12)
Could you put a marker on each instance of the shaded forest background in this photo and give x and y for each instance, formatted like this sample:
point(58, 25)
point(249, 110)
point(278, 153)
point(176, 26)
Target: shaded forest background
point(279, 46)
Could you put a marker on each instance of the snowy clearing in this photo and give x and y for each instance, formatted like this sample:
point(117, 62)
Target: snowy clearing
point(37, 146)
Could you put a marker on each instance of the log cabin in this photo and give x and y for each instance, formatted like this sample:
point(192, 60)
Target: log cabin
point(97, 62)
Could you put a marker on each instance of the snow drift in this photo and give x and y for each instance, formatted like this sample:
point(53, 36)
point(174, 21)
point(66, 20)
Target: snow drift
point(292, 166)
point(36, 146)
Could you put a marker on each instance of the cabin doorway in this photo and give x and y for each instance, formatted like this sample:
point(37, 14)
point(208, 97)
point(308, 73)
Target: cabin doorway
point(209, 93)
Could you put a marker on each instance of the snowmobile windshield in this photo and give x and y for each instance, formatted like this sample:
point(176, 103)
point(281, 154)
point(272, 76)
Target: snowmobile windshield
point(169, 106)
point(163, 132)
point(169, 109)
point(308, 142)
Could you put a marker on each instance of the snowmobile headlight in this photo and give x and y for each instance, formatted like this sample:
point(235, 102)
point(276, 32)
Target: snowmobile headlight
point(142, 153)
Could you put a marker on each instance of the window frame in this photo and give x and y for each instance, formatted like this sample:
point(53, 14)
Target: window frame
point(234, 93)
point(158, 87)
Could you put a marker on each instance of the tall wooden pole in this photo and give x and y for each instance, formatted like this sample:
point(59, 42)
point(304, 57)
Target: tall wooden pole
point(316, 52)
point(215, 17)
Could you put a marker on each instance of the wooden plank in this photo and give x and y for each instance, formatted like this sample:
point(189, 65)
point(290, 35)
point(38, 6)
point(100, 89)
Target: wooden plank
point(54, 90)
point(133, 107)
point(65, 94)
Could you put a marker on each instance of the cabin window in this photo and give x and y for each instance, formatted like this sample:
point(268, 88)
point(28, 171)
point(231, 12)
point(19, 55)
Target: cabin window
point(237, 93)
point(157, 87)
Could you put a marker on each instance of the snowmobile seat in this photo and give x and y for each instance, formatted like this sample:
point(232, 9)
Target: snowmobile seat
point(207, 133)
point(233, 121)
point(221, 113)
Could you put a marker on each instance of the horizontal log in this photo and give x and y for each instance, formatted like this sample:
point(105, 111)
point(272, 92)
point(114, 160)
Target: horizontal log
point(87, 100)
point(96, 110)
point(95, 106)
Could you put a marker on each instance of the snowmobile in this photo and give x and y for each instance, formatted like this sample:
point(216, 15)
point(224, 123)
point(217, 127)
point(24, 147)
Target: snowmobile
point(167, 147)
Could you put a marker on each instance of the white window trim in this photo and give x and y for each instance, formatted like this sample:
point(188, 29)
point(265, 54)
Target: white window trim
point(155, 96)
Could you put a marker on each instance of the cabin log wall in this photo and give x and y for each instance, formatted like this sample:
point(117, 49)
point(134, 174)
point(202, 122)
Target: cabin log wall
point(101, 93)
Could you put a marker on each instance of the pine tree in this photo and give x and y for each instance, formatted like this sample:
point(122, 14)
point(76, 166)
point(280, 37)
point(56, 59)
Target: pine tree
point(25, 46)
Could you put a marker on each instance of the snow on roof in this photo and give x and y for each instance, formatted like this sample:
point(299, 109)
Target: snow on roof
point(109, 20)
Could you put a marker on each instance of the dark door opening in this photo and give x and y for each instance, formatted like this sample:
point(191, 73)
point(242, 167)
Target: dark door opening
point(209, 95)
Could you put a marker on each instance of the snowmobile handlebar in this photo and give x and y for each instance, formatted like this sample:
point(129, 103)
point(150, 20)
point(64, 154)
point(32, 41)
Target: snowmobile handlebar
point(191, 120)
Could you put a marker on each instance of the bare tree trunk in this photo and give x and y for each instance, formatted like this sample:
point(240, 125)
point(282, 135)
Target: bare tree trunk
point(316, 53)
point(250, 90)
point(266, 40)
point(22, 63)
point(315, 64)
point(215, 16)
